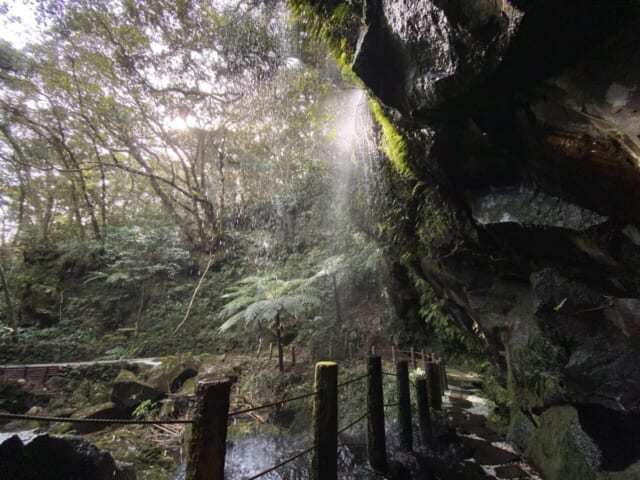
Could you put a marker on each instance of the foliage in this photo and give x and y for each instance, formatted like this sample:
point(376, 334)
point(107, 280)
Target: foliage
point(260, 300)
point(537, 371)
point(144, 409)
point(335, 26)
point(131, 256)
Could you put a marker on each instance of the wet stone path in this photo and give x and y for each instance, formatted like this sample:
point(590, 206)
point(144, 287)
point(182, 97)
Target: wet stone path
point(468, 413)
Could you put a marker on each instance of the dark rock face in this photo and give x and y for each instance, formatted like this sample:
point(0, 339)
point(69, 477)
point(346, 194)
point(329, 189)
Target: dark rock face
point(128, 391)
point(522, 125)
point(55, 458)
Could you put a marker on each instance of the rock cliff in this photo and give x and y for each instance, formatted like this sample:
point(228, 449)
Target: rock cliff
point(518, 129)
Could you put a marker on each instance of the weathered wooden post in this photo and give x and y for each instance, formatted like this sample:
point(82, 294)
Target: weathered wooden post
point(393, 354)
point(404, 405)
point(413, 358)
point(208, 442)
point(434, 385)
point(445, 380)
point(424, 416)
point(259, 348)
point(324, 463)
point(425, 363)
point(376, 439)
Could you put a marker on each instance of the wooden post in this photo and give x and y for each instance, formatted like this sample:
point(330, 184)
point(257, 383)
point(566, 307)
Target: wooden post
point(434, 379)
point(376, 439)
point(259, 347)
point(393, 354)
point(293, 355)
point(324, 463)
point(445, 380)
point(425, 363)
point(270, 350)
point(404, 405)
point(413, 358)
point(424, 416)
point(208, 442)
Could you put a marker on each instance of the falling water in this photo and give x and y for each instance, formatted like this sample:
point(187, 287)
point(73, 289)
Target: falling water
point(356, 154)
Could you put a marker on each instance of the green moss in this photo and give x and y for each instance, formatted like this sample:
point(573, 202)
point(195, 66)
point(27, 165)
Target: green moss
point(335, 28)
point(394, 145)
point(561, 449)
point(537, 369)
point(435, 223)
point(332, 27)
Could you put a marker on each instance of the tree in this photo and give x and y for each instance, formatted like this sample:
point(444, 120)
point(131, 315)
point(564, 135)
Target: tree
point(13, 324)
point(268, 302)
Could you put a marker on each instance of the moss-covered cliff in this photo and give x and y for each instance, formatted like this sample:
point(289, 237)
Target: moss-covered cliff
point(511, 199)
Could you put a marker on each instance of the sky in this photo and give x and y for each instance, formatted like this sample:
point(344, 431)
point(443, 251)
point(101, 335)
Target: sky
point(18, 22)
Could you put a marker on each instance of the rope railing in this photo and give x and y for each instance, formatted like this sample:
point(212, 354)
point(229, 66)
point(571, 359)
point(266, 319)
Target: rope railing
point(211, 414)
point(353, 380)
point(273, 404)
point(356, 421)
point(283, 463)
point(120, 421)
point(303, 452)
point(292, 399)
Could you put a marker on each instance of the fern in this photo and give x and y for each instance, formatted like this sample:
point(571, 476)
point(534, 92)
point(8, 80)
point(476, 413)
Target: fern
point(257, 301)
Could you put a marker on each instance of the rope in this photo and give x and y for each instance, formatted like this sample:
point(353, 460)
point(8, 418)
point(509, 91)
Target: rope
point(359, 419)
point(379, 474)
point(122, 421)
point(353, 380)
point(390, 374)
point(274, 404)
point(304, 452)
point(283, 463)
point(390, 405)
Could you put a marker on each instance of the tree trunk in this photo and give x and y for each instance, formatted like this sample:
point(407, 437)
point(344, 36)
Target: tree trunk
point(279, 340)
point(221, 205)
point(336, 298)
point(7, 298)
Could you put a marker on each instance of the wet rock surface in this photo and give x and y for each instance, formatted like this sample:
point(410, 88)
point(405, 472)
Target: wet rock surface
point(521, 120)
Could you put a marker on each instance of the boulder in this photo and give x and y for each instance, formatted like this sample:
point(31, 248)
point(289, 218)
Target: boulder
point(561, 449)
point(172, 373)
point(108, 410)
point(128, 391)
point(53, 458)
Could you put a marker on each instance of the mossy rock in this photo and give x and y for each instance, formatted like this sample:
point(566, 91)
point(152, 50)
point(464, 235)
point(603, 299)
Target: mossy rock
point(561, 449)
point(188, 387)
point(630, 473)
point(129, 391)
point(108, 410)
point(520, 429)
point(171, 375)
